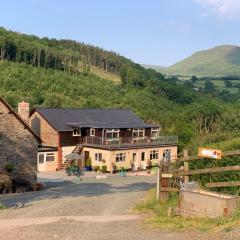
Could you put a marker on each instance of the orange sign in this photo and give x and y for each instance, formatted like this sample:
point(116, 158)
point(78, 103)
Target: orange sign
point(209, 153)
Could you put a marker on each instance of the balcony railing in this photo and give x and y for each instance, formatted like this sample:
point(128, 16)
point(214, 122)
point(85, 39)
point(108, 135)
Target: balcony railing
point(124, 142)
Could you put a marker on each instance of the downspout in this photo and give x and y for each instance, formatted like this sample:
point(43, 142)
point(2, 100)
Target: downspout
point(103, 135)
point(59, 164)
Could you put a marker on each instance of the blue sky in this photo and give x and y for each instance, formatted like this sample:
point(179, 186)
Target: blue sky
point(159, 32)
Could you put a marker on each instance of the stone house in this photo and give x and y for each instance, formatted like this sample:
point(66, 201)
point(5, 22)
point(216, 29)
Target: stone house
point(110, 137)
point(18, 143)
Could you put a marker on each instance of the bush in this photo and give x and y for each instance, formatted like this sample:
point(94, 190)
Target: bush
point(104, 168)
point(38, 186)
point(5, 183)
point(9, 167)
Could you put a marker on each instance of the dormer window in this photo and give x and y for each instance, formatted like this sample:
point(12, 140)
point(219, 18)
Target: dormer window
point(92, 132)
point(138, 133)
point(76, 133)
point(112, 134)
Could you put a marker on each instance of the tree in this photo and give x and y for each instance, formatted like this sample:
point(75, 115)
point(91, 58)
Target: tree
point(209, 86)
point(193, 79)
point(228, 84)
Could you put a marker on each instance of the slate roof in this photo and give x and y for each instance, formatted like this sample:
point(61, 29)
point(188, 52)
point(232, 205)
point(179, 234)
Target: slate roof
point(67, 119)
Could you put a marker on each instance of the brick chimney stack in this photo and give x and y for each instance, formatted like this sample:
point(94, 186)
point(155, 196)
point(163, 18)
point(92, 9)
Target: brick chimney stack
point(23, 110)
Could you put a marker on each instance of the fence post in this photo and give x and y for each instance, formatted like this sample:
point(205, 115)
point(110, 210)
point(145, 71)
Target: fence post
point(186, 166)
point(159, 180)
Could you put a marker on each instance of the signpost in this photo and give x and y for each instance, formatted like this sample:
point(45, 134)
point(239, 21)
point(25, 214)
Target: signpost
point(209, 153)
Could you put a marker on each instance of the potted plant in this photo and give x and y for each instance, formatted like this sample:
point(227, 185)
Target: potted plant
point(89, 164)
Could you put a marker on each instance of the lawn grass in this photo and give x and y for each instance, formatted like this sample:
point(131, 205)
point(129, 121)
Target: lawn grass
point(157, 216)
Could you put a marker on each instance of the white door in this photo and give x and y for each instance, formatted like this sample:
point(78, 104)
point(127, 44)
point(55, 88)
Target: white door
point(41, 162)
point(143, 162)
point(135, 162)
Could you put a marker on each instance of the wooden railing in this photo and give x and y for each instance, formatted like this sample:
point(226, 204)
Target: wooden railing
point(121, 142)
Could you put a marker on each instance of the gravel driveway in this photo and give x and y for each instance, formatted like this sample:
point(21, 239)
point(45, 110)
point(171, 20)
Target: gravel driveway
point(92, 209)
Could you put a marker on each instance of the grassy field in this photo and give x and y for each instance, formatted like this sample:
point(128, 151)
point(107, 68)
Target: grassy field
point(157, 216)
point(219, 85)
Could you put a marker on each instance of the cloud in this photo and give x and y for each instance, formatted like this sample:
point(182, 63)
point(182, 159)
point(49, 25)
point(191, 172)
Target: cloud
point(178, 27)
point(223, 8)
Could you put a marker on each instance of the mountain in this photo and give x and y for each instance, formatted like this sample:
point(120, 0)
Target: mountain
point(155, 67)
point(219, 61)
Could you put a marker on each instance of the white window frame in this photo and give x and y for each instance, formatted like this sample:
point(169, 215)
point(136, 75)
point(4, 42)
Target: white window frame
point(112, 131)
point(92, 132)
point(138, 131)
point(156, 131)
point(76, 132)
point(45, 155)
point(154, 155)
point(121, 157)
point(98, 157)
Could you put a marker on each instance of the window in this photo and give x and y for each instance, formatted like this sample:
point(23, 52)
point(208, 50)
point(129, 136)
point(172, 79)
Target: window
point(167, 155)
point(98, 157)
point(92, 132)
point(138, 133)
point(112, 134)
point(154, 155)
point(121, 157)
point(50, 157)
point(41, 158)
point(155, 132)
point(76, 132)
point(143, 156)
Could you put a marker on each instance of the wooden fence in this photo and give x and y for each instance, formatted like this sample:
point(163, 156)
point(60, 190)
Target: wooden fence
point(170, 181)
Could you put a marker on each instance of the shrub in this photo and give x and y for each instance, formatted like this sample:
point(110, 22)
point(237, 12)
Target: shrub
point(38, 186)
point(9, 167)
point(104, 168)
point(5, 183)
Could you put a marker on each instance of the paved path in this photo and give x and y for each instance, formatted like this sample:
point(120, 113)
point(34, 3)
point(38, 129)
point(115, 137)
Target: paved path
point(93, 209)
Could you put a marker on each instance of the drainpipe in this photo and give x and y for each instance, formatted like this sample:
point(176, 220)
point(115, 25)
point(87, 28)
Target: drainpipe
point(103, 135)
point(59, 164)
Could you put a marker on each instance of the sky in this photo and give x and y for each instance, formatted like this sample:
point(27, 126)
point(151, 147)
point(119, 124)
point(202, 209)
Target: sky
point(157, 32)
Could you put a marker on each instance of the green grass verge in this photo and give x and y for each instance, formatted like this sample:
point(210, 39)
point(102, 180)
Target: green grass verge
point(2, 206)
point(157, 216)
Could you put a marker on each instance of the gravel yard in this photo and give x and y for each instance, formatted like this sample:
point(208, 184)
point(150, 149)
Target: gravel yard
point(88, 209)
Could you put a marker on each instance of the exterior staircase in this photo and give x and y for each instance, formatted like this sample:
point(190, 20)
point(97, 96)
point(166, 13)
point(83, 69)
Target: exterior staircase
point(68, 162)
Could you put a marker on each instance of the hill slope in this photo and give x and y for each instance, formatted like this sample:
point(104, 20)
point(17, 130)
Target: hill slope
point(218, 61)
point(52, 73)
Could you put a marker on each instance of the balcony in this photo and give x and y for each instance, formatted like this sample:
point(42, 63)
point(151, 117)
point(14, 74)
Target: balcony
point(129, 142)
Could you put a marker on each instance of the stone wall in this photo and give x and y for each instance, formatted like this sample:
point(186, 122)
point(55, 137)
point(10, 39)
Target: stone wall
point(17, 146)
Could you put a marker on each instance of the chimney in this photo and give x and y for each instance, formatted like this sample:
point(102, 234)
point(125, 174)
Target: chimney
point(23, 110)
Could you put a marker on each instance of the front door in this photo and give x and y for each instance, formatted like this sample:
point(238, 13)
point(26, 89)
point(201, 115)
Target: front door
point(135, 162)
point(86, 158)
point(41, 162)
point(143, 162)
